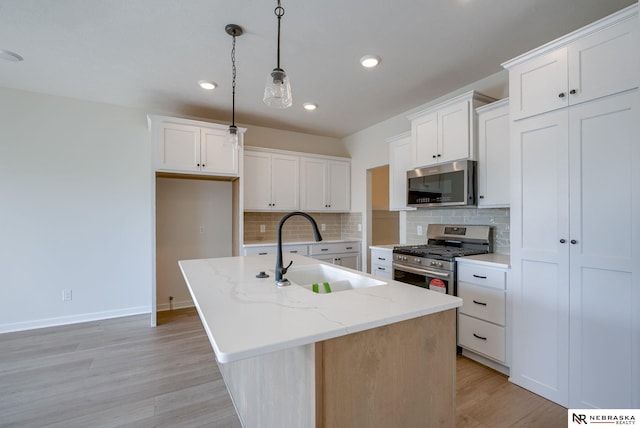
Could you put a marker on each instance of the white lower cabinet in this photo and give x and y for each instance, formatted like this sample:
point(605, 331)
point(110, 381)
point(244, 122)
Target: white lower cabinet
point(382, 262)
point(345, 254)
point(482, 320)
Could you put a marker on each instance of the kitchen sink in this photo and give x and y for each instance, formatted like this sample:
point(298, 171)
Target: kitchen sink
point(313, 277)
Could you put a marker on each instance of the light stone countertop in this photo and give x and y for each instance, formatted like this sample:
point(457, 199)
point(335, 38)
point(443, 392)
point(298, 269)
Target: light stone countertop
point(490, 260)
point(245, 316)
point(383, 247)
point(268, 244)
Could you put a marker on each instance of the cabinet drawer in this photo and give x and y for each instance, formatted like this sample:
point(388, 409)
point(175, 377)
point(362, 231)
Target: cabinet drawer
point(481, 302)
point(272, 249)
point(260, 251)
point(381, 271)
point(482, 337)
point(382, 258)
point(481, 275)
point(334, 248)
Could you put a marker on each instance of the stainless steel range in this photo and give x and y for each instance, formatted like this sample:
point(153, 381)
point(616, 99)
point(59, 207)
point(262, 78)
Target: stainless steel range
point(433, 265)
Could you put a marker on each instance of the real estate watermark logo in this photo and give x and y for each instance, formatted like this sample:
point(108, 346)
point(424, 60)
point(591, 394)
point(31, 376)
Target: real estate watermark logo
point(599, 417)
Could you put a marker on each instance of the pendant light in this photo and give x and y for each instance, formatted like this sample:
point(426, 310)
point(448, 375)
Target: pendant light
point(232, 138)
point(277, 92)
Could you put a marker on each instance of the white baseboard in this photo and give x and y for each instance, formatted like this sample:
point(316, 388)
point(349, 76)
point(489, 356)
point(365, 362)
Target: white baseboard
point(175, 305)
point(73, 319)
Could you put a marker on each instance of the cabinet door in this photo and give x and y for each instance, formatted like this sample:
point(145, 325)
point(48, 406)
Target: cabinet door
point(493, 158)
point(424, 140)
point(339, 186)
point(538, 85)
point(177, 147)
point(216, 154)
point(257, 181)
point(399, 163)
point(313, 183)
point(605, 262)
point(284, 182)
point(454, 138)
point(351, 261)
point(604, 63)
point(539, 285)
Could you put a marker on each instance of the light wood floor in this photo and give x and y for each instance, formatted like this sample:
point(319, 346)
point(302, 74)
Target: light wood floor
point(122, 373)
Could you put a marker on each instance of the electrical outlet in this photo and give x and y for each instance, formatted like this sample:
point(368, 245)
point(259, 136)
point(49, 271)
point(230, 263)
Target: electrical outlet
point(323, 227)
point(359, 227)
point(66, 295)
point(201, 230)
point(262, 228)
point(419, 231)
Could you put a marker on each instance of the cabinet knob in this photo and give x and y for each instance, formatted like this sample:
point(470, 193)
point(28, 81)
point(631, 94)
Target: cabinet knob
point(573, 91)
point(197, 164)
point(481, 196)
point(439, 155)
point(434, 156)
point(562, 241)
point(203, 165)
point(561, 95)
point(574, 242)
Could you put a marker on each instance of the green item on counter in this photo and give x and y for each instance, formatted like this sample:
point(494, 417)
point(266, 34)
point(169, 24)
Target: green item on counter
point(327, 288)
point(315, 288)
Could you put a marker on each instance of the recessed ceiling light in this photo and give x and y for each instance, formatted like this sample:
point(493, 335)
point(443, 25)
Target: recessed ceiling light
point(207, 84)
point(310, 106)
point(369, 61)
point(10, 56)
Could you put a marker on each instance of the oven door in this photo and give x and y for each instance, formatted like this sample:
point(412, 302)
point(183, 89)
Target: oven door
point(442, 281)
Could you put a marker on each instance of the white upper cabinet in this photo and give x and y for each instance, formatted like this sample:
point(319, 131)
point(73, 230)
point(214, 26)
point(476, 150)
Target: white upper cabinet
point(399, 163)
point(270, 181)
point(590, 63)
point(493, 154)
point(325, 184)
point(445, 132)
point(193, 147)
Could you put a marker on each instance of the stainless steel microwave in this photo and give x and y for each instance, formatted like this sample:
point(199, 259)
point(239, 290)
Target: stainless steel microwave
point(444, 185)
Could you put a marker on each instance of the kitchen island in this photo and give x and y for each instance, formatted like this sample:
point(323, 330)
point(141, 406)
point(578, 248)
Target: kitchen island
point(376, 356)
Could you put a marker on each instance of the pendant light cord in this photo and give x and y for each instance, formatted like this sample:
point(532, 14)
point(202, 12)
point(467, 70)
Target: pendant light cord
point(233, 82)
point(279, 11)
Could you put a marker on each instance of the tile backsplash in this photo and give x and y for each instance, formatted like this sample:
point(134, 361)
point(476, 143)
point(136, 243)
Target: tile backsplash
point(337, 226)
point(496, 217)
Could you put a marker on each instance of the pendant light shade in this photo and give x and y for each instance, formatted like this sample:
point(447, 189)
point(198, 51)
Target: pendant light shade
point(277, 92)
point(232, 137)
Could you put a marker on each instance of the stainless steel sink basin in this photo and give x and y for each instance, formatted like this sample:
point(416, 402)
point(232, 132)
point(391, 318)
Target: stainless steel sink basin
point(339, 280)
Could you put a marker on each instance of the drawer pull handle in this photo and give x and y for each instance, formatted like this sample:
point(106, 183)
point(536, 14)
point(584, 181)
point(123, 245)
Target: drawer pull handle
point(293, 251)
point(381, 268)
point(262, 254)
point(381, 258)
point(479, 303)
point(479, 337)
point(349, 248)
point(324, 249)
point(479, 276)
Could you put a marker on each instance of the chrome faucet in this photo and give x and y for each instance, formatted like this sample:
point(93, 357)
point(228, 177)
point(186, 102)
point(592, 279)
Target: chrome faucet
point(281, 281)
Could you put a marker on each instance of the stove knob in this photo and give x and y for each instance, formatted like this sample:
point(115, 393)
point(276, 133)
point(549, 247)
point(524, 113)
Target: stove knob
point(433, 263)
point(440, 264)
point(417, 260)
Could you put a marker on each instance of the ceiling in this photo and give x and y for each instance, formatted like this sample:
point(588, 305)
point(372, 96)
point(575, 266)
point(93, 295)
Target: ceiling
point(150, 54)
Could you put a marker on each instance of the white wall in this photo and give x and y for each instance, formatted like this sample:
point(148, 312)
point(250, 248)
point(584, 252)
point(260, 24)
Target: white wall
point(368, 149)
point(259, 136)
point(74, 210)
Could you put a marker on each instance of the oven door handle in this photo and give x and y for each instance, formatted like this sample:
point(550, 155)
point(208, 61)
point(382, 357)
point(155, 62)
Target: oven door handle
point(422, 271)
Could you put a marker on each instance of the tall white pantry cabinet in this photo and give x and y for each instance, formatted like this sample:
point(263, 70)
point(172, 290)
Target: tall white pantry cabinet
point(575, 216)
